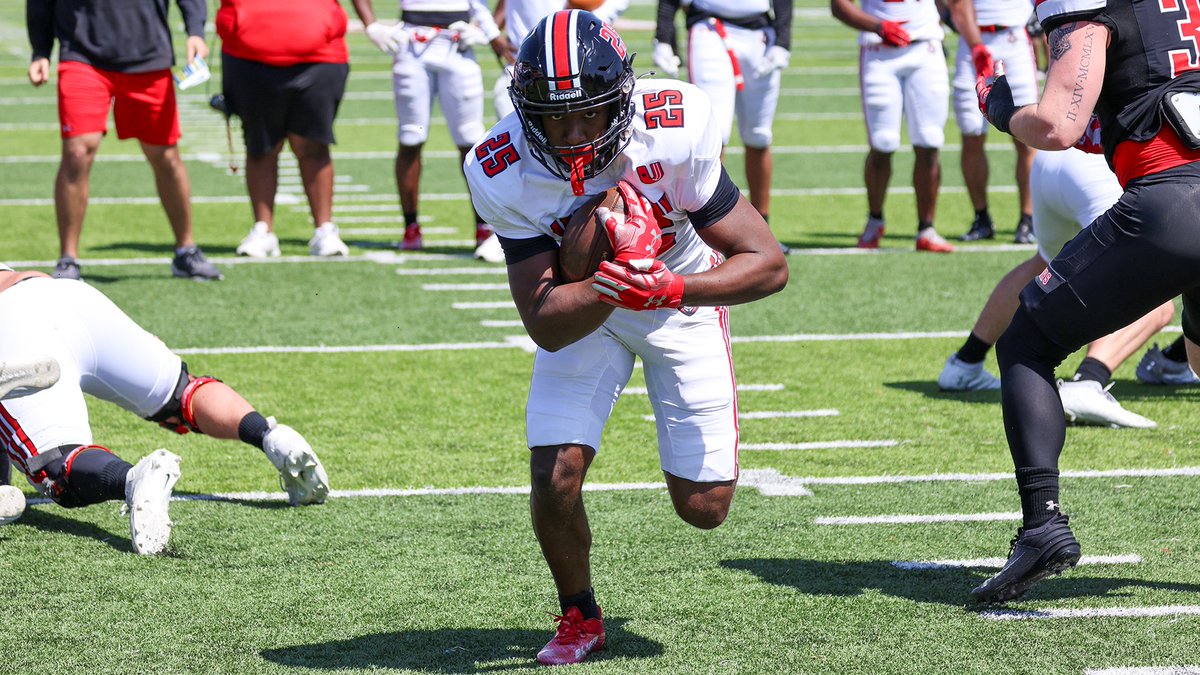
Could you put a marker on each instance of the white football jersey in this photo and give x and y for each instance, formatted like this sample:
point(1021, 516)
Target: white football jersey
point(921, 17)
point(1003, 12)
point(733, 9)
point(673, 159)
point(522, 16)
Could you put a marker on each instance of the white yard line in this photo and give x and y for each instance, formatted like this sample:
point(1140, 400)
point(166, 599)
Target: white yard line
point(641, 391)
point(997, 563)
point(1092, 613)
point(775, 414)
point(441, 288)
point(499, 304)
point(1148, 670)
point(915, 519)
point(818, 445)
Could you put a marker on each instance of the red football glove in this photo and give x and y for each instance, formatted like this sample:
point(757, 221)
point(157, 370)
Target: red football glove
point(1089, 142)
point(893, 34)
point(645, 283)
point(637, 235)
point(982, 59)
point(995, 98)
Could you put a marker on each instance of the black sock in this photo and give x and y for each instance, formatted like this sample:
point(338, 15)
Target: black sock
point(253, 428)
point(924, 225)
point(876, 216)
point(1038, 487)
point(982, 214)
point(973, 350)
point(585, 601)
point(410, 218)
point(1177, 352)
point(5, 471)
point(1091, 369)
point(96, 476)
point(766, 217)
point(1025, 219)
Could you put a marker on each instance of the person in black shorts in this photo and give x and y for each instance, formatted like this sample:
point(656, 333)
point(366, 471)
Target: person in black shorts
point(285, 65)
point(1125, 61)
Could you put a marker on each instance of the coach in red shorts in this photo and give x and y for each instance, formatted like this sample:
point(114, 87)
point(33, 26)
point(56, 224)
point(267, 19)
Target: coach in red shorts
point(285, 65)
point(118, 54)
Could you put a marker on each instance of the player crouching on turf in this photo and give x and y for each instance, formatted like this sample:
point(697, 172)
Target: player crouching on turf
point(689, 245)
point(74, 340)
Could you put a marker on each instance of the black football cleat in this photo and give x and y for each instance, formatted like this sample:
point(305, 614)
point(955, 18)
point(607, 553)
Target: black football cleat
point(1024, 233)
point(981, 228)
point(1033, 555)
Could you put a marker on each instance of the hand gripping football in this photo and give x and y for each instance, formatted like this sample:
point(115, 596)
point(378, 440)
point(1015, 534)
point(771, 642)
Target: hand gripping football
point(585, 243)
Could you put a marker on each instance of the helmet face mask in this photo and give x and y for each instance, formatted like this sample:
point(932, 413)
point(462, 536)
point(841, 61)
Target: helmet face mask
point(573, 63)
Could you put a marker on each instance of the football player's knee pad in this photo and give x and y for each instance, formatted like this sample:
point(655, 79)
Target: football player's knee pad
point(885, 141)
point(79, 475)
point(468, 134)
point(756, 136)
point(929, 136)
point(177, 413)
point(413, 134)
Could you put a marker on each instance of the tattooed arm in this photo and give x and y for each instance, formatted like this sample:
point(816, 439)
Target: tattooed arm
point(1073, 82)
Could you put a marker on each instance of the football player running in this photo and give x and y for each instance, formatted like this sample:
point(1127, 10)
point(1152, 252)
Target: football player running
point(689, 246)
point(64, 339)
point(1130, 62)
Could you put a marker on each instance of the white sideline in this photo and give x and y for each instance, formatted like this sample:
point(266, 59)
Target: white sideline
point(997, 563)
point(1093, 613)
point(916, 520)
point(464, 287)
point(641, 391)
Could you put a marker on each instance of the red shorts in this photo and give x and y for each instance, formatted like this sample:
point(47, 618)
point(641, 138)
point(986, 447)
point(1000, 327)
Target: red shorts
point(143, 103)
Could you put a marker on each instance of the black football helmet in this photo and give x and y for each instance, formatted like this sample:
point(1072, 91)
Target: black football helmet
point(574, 62)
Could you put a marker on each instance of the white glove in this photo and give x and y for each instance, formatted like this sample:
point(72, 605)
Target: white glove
point(776, 58)
point(389, 39)
point(665, 60)
point(469, 35)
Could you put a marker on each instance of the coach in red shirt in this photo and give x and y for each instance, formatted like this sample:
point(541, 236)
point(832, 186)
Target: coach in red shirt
point(115, 53)
point(285, 65)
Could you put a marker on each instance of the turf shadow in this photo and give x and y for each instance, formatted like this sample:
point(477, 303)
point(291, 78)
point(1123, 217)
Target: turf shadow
point(929, 389)
point(948, 586)
point(44, 519)
point(452, 650)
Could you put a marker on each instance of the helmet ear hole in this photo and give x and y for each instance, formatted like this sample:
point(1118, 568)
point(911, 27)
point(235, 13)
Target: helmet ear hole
point(573, 62)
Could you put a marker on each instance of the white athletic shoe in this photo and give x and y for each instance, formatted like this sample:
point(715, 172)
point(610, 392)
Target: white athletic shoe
point(12, 504)
point(148, 488)
point(1086, 402)
point(959, 376)
point(36, 374)
point(490, 250)
point(326, 242)
point(300, 472)
point(1154, 368)
point(260, 243)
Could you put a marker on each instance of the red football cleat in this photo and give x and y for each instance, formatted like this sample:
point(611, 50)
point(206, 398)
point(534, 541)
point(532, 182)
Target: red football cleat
point(412, 238)
point(482, 233)
point(932, 242)
point(872, 233)
point(575, 639)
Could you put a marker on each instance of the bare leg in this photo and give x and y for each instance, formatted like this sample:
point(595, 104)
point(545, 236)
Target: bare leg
point(408, 176)
point(174, 189)
point(262, 180)
point(218, 410)
point(975, 170)
point(702, 505)
point(316, 170)
point(877, 174)
point(71, 187)
point(758, 175)
point(1114, 348)
point(998, 311)
point(927, 177)
point(559, 519)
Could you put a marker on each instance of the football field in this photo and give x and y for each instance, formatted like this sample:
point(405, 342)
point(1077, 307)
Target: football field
point(869, 504)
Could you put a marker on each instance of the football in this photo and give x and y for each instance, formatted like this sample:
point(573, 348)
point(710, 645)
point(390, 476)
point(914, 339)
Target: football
point(588, 5)
point(585, 243)
point(12, 504)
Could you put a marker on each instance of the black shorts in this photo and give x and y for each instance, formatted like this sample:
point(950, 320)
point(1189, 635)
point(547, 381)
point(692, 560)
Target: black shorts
point(1140, 253)
point(275, 101)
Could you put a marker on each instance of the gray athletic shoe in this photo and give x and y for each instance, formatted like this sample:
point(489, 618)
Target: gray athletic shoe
point(67, 268)
point(36, 374)
point(300, 471)
point(1156, 368)
point(1086, 402)
point(190, 263)
point(959, 376)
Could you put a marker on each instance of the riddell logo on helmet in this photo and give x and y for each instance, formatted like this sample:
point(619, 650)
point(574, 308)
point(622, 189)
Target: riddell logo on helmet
point(567, 95)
